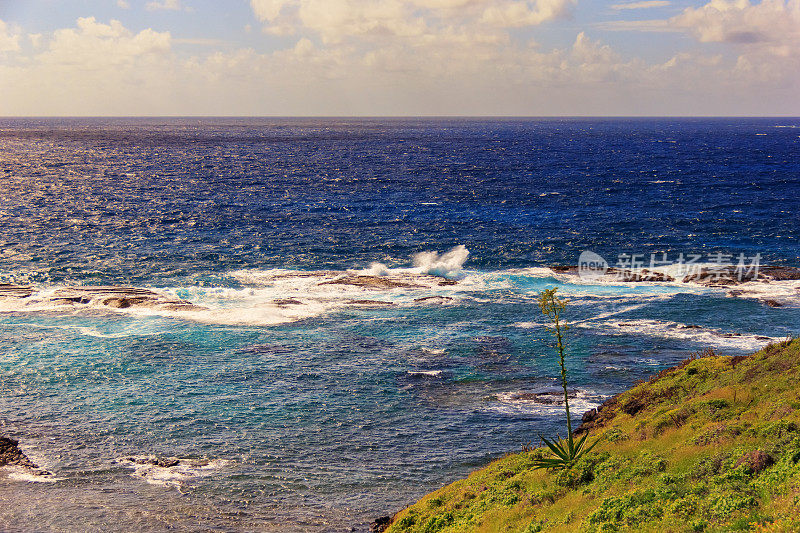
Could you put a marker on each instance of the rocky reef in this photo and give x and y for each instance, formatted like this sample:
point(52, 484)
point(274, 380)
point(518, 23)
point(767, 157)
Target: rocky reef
point(10, 454)
point(111, 297)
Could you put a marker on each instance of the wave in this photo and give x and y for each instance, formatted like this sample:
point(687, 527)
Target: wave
point(688, 332)
point(783, 293)
point(265, 297)
point(544, 402)
point(448, 265)
point(170, 472)
point(27, 475)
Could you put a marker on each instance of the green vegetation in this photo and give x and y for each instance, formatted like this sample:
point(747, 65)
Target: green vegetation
point(710, 445)
point(564, 452)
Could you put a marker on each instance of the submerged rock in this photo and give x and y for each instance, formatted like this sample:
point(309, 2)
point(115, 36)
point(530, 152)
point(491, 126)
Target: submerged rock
point(723, 275)
point(371, 282)
point(14, 291)
point(732, 276)
point(163, 462)
point(120, 298)
point(433, 299)
point(780, 273)
point(287, 301)
point(371, 302)
point(639, 275)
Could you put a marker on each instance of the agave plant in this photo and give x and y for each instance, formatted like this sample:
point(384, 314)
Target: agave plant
point(564, 451)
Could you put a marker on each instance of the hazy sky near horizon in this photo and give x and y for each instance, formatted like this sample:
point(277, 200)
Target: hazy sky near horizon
point(399, 57)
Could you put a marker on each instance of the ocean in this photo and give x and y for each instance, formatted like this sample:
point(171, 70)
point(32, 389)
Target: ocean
point(237, 324)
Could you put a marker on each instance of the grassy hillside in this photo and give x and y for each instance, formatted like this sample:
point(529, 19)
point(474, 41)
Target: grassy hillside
point(711, 445)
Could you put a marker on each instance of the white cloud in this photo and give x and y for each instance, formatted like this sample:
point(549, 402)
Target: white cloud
point(93, 45)
point(8, 42)
point(267, 10)
point(430, 67)
point(740, 22)
point(170, 5)
point(653, 25)
point(339, 20)
point(123, 4)
point(645, 4)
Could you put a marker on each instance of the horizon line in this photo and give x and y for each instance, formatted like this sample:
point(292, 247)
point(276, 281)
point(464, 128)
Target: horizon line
point(421, 116)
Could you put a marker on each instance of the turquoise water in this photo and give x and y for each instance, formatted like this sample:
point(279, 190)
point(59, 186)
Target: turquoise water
point(296, 404)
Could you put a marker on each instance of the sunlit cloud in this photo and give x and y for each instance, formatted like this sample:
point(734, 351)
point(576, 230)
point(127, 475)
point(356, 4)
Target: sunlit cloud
point(9, 42)
point(646, 4)
point(406, 57)
point(169, 5)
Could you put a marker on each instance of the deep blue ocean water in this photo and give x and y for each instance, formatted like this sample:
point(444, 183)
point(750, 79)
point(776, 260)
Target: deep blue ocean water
point(296, 405)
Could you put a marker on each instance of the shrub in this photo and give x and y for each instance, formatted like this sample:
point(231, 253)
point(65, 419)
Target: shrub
point(567, 451)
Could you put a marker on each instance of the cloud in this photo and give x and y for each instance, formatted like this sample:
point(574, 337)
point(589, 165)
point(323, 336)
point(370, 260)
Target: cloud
point(340, 20)
point(464, 66)
point(652, 26)
point(8, 42)
point(645, 4)
point(123, 4)
point(169, 5)
point(740, 22)
point(93, 45)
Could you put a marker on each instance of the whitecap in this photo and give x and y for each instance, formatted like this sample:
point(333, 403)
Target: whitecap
point(675, 330)
point(27, 475)
point(156, 471)
point(543, 402)
point(429, 373)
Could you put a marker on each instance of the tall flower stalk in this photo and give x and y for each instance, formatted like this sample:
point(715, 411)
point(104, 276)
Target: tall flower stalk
point(564, 452)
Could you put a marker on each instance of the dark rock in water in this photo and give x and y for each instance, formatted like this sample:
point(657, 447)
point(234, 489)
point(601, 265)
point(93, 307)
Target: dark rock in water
point(780, 273)
point(773, 303)
point(545, 398)
point(730, 275)
point(433, 299)
point(371, 302)
point(287, 301)
point(446, 282)
point(690, 326)
point(639, 275)
point(371, 282)
point(123, 303)
point(14, 291)
point(10, 454)
point(163, 462)
point(380, 524)
point(722, 275)
point(120, 298)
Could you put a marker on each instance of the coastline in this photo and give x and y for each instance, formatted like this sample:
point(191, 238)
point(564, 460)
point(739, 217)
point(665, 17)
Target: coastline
point(708, 445)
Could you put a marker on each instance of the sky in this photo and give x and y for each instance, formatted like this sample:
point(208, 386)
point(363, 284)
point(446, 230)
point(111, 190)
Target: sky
point(399, 57)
